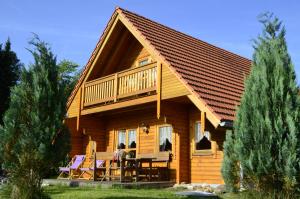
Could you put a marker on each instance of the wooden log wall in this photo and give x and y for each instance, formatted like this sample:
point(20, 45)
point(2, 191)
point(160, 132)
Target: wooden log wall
point(206, 168)
point(186, 166)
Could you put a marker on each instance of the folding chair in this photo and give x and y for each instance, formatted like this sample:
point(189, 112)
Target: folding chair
point(88, 172)
point(73, 165)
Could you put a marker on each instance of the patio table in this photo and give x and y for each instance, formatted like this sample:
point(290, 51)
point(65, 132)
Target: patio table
point(138, 164)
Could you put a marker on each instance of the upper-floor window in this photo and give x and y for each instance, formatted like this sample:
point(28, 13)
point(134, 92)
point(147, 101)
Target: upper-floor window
point(165, 138)
point(202, 139)
point(144, 62)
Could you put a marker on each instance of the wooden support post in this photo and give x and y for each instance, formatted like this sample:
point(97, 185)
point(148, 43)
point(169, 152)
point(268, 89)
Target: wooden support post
point(115, 87)
point(214, 148)
point(158, 88)
point(138, 141)
point(82, 96)
point(94, 171)
point(79, 110)
point(177, 152)
point(203, 118)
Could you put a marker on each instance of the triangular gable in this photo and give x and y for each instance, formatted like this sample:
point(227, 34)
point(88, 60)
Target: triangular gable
point(118, 16)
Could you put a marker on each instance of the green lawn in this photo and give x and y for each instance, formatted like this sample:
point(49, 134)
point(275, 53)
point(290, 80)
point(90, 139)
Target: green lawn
point(57, 192)
point(64, 192)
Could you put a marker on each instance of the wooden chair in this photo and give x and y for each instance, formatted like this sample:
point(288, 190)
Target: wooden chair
point(163, 168)
point(144, 172)
point(88, 173)
point(108, 170)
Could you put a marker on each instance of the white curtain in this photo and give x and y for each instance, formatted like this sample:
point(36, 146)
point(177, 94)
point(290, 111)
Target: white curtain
point(122, 137)
point(131, 137)
point(164, 134)
point(198, 134)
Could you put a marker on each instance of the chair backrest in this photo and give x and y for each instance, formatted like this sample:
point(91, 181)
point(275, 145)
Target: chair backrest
point(145, 155)
point(78, 160)
point(91, 148)
point(163, 156)
point(104, 155)
point(100, 163)
point(160, 156)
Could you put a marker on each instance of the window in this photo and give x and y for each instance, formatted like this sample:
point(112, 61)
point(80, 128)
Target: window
point(143, 62)
point(132, 139)
point(126, 139)
point(202, 139)
point(122, 139)
point(165, 138)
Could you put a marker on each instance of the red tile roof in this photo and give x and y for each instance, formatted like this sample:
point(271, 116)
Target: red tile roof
point(216, 75)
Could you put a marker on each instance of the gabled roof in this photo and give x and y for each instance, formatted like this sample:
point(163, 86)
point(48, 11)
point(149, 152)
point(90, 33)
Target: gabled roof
point(215, 75)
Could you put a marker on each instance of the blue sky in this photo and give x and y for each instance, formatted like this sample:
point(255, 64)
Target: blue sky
point(72, 28)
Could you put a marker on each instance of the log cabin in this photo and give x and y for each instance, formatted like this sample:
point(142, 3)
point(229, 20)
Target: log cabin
point(151, 89)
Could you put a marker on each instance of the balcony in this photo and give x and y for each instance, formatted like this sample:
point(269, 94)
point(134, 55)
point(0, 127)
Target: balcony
point(121, 86)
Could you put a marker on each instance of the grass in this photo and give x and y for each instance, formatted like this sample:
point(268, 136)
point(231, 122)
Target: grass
point(63, 192)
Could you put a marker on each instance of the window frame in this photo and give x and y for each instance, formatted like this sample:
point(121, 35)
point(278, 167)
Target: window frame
point(146, 60)
point(200, 151)
point(127, 138)
point(157, 148)
point(141, 59)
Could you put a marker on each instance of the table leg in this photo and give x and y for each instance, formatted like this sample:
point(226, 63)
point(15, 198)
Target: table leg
point(122, 167)
point(136, 170)
point(150, 176)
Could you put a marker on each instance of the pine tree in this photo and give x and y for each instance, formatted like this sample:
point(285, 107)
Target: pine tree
point(230, 167)
point(68, 74)
point(9, 75)
point(34, 139)
point(268, 120)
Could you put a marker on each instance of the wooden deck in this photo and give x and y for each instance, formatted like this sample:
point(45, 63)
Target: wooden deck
point(108, 184)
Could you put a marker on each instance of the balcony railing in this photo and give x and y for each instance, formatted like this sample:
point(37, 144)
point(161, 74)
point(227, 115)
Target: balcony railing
point(128, 83)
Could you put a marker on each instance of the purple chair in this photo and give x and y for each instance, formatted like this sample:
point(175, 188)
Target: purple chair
point(88, 173)
point(73, 165)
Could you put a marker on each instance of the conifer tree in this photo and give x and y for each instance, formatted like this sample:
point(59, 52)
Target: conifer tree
point(33, 138)
point(68, 74)
point(230, 167)
point(9, 75)
point(268, 120)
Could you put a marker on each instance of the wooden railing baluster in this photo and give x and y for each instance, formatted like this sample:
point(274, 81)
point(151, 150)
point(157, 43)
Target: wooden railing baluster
point(120, 85)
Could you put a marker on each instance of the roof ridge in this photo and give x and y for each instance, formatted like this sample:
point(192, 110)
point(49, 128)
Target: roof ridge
point(192, 37)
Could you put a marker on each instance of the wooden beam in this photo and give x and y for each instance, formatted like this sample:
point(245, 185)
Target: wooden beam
point(203, 108)
point(115, 51)
point(82, 96)
point(138, 140)
point(178, 170)
point(203, 117)
point(158, 89)
point(101, 47)
point(124, 104)
point(79, 110)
